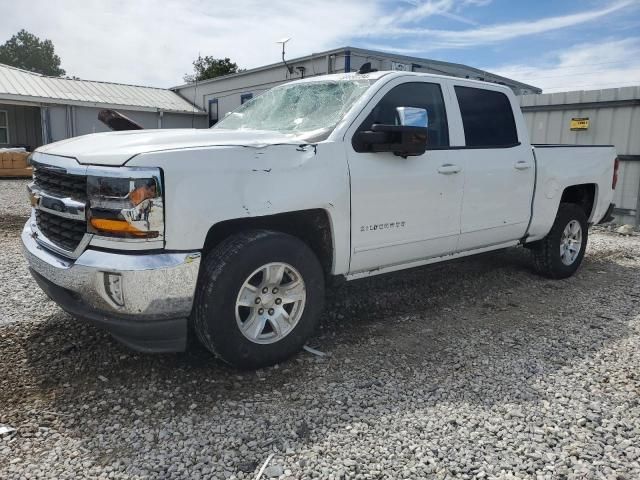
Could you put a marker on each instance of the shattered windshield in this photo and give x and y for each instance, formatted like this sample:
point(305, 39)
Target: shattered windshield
point(298, 108)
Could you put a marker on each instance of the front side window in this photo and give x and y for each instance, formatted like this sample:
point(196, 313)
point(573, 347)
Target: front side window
point(4, 127)
point(487, 118)
point(416, 94)
point(309, 109)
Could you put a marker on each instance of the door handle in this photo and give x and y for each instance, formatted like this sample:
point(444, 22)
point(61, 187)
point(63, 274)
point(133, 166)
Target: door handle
point(522, 165)
point(448, 169)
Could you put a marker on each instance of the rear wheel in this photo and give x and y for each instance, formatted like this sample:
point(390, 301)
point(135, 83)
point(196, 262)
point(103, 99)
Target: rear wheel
point(560, 253)
point(259, 298)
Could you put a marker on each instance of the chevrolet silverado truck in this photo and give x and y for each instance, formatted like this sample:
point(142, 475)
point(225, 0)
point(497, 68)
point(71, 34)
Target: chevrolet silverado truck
point(231, 233)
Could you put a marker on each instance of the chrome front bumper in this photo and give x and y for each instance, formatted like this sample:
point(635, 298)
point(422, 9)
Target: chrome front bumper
point(143, 299)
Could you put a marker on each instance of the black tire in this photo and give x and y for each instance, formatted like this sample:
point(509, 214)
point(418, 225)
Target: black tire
point(224, 271)
point(546, 253)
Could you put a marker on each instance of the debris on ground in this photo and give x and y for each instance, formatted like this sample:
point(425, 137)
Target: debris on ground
point(6, 429)
point(318, 353)
point(264, 466)
point(625, 229)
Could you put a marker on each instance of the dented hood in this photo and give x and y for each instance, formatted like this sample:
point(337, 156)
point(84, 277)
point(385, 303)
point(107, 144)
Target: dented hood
point(115, 148)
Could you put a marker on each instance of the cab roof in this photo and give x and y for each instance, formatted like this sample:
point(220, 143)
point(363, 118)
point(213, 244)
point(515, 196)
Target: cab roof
point(392, 74)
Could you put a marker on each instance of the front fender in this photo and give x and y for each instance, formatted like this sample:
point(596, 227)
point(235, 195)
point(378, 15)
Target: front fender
point(208, 185)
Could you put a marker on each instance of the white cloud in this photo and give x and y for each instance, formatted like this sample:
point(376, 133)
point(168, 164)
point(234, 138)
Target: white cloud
point(424, 9)
point(609, 64)
point(153, 43)
point(439, 39)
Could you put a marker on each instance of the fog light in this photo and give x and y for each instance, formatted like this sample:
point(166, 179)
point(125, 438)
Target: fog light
point(113, 287)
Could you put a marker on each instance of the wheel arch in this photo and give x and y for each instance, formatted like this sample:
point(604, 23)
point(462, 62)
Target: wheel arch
point(312, 226)
point(583, 195)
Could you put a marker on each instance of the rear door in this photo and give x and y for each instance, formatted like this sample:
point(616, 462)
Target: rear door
point(404, 209)
point(499, 168)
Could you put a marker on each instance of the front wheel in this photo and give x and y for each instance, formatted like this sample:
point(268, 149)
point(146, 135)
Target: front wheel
point(560, 253)
point(259, 298)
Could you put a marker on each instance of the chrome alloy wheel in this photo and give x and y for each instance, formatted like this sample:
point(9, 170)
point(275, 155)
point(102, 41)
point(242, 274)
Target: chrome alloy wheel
point(270, 303)
point(571, 242)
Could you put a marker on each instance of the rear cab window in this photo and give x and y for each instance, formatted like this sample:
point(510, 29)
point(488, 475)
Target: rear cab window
point(487, 118)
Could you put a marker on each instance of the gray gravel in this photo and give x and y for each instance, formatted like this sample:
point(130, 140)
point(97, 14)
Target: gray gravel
point(18, 300)
point(13, 198)
point(472, 369)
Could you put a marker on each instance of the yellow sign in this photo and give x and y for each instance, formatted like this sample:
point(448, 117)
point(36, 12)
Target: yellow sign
point(580, 123)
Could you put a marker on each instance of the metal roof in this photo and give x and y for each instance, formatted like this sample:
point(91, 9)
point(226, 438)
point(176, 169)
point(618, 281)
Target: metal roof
point(21, 85)
point(606, 97)
point(445, 67)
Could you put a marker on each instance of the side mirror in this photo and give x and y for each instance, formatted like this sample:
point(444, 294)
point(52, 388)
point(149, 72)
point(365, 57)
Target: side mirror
point(407, 139)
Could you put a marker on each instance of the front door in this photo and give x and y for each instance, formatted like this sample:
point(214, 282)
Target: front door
point(404, 209)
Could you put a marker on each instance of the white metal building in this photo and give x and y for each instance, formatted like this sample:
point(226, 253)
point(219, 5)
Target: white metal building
point(36, 109)
point(594, 117)
point(219, 96)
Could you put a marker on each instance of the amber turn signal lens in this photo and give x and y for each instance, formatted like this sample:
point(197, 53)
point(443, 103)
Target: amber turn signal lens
point(118, 227)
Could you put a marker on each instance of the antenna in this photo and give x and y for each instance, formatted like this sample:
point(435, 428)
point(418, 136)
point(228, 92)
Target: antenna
point(193, 106)
point(283, 42)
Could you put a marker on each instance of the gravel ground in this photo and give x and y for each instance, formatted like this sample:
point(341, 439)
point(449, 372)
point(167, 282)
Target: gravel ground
point(13, 198)
point(471, 369)
point(18, 298)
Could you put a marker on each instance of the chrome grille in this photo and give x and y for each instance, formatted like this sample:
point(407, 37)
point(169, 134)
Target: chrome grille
point(53, 214)
point(59, 183)
point(63, 232)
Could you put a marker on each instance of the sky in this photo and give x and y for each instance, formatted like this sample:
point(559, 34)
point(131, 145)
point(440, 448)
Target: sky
point(555, 45)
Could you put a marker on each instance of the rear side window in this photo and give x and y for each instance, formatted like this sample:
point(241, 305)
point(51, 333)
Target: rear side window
point(487, 118)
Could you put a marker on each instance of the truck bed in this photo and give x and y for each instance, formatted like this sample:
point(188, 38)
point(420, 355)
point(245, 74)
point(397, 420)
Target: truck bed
point(561, 166)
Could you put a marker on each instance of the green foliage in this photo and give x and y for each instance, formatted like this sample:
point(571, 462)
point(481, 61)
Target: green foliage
point(209, 67)
point(25, 50)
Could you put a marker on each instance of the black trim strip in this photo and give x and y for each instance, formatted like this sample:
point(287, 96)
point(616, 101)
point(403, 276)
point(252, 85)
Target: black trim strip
point(629, 158)
point(533, 197)
point(563, 145)
point(624, 211)
point(581, 106)
point(608, 215)
point(137, 252)
point(472, 147)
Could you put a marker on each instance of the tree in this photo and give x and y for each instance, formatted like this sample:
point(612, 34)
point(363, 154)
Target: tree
point(209, 67)
point(25, 50)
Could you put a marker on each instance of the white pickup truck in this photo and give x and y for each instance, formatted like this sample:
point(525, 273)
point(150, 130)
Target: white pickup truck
point(232, 232)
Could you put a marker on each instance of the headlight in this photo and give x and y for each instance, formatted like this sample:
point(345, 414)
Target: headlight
point(125, 203)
